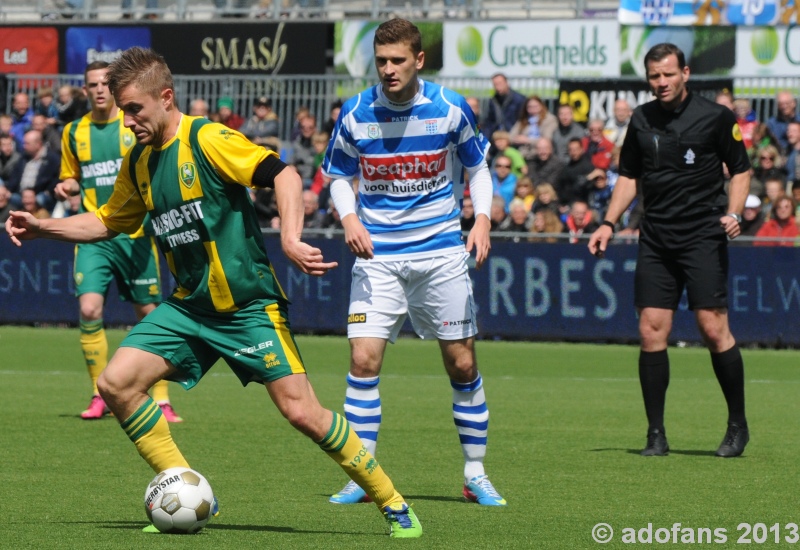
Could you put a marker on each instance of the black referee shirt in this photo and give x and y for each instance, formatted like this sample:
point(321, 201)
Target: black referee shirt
point(677, 157)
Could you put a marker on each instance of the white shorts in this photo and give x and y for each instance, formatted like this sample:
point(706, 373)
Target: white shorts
point(435, 293)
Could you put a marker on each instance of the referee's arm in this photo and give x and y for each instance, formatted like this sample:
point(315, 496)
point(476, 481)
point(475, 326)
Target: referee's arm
point(621, 198)
point(738, 189)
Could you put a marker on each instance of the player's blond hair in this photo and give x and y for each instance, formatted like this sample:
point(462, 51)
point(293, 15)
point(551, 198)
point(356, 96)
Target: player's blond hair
point(141, 67)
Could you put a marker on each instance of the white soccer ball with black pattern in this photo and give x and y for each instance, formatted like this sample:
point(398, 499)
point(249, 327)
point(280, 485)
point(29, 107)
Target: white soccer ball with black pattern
point(179, 500)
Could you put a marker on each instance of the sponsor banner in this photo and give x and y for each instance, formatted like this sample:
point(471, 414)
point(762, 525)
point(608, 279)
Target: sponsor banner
point(353, 49)
point(555, 49)
point(767, 51)
point(706, 12)
point(243, 48)
point(708, 50)
point(84, 45)
point(29, 50)
point(594, 99)
point(524, 291)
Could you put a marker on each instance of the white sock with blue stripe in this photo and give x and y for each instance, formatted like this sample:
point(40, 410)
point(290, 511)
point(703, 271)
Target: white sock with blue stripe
point(471, 417)
point(362, 408)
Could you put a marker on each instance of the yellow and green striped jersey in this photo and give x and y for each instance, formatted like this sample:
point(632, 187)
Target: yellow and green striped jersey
point(195, 190)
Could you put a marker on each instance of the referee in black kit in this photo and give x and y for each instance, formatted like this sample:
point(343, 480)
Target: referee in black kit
point(675, 147)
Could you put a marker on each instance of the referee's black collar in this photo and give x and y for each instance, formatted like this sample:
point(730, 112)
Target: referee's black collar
point(682, 106)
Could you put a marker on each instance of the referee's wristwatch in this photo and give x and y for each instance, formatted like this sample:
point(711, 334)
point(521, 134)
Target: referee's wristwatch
point(735, 216)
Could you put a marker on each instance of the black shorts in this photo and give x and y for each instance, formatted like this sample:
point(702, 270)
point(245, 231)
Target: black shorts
point(700, 266)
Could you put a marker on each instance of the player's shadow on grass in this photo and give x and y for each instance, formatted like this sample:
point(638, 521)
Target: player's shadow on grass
point(436, 498)
point(671, 451)
point(139, 525)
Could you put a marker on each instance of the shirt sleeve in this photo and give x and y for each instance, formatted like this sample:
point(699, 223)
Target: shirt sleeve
point(233, 155)
point(472, 144)
point(70, 168)
point(630, 156)
point(125, 211)
point(731, 148)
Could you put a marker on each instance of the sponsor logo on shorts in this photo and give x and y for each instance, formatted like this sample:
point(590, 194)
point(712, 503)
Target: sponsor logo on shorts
point(253, 349)
point(153, 290)
point(357, 318)
point(456, 323)
point(271, 360)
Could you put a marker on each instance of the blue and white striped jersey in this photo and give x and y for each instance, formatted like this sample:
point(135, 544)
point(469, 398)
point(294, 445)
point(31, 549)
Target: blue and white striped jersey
point(410, 161)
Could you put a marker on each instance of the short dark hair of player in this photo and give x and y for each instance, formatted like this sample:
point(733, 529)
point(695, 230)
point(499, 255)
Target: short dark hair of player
point(94, 66)
point(143, 68)
point(660, 51)
point(396, 31)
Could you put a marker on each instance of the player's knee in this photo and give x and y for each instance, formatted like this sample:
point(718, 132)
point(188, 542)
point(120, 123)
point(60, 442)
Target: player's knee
point(300, 419)
point(91, 312)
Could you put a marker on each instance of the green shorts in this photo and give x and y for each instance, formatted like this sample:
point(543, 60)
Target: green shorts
point(132, 263)
point(255, 341)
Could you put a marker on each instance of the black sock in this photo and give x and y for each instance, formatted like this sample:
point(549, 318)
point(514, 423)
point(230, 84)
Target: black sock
point(654, 377)
point(729, 368)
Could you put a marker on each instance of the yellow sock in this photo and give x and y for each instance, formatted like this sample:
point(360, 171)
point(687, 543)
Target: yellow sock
point(95, 349)
point(345, 447)
point(149, 431)
point(161, 392)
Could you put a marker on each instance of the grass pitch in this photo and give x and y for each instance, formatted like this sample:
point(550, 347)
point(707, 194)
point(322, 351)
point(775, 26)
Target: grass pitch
point(567, 424)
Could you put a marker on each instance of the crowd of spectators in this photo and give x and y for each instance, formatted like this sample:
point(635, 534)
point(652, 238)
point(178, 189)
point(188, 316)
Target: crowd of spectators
point(550, 173)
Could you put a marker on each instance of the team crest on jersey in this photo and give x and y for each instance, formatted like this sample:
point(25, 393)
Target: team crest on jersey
point(689, 156)
point(187, 174)
point(737, 132)
point(127, 139)
point(431, 126)
point(225, 133)
point(373, 131)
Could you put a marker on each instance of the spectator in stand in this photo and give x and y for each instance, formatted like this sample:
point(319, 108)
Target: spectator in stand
point(580, 221)
point(320, 184)
point(546, 199)
point(502, 144)
point(780, 224)
point(467, 214)
point(770, 165)
point(9, 157)
point(313, 218)
point(71, 104)
point(29, 204)
point(474, 104)
point(752, 217)
point(796, 197)
point(50, 134)
point(199, 107)
point(68, 207)
point(545, 166)
point(787, 112)
point(263, 124)
point(534, 122)
point(226, 114)
point(746, 119)
point(6, 122)
point(497, 213)
point(45, 105)
point(545, 221)
point(22, 115)
point(774, 188)
point(524, 192)
point(5, 203)
point(573, 183)
point(566, 131)
point(761, 138)
point(617, 126)
point(518, 220)
point(504, 183)
point(333, 115)
point(724, 98)
point(332, 219)
point(504, 107)
point(599, 192)
point(303, 151)
point(792, 154)
point(301, 113)
point(632, 218)
point(38, 170)
point(596, 146)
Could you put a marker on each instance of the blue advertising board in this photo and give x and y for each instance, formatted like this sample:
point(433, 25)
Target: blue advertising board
point(83, 45)
point(524, 291)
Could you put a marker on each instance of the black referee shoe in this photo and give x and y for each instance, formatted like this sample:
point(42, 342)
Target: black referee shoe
point(656, 443)
point(734, 442)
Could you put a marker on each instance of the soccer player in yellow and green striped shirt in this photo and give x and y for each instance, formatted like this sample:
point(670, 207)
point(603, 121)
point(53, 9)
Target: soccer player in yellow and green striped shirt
point(192, 177)
point(92, 149)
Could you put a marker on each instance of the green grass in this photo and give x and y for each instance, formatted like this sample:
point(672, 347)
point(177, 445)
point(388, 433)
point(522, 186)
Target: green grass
point(566, 427)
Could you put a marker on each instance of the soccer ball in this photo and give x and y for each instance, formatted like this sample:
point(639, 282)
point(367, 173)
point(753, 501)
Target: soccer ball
point(178, 500)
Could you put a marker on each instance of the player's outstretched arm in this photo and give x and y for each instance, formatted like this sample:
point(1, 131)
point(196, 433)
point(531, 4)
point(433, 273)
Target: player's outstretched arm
point(289, 196)
point(83, 228)
point(356, 235)
point(478, 238)
point(621, 198)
